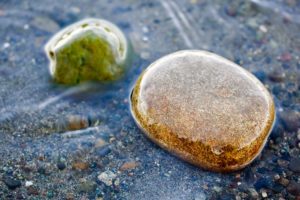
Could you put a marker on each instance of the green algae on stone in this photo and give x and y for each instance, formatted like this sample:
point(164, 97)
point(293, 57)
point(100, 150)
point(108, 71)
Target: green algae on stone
point(89, 50)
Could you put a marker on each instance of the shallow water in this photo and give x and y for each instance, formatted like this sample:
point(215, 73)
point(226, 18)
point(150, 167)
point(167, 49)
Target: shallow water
point(260, 35)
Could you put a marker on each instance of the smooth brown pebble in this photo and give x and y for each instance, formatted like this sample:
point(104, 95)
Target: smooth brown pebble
point(77, 122)
point(129, 166)
point(204, 109)
point(80, 165)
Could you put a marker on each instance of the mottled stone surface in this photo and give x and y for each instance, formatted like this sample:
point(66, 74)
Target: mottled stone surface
point(204, 108)
point(92, 49)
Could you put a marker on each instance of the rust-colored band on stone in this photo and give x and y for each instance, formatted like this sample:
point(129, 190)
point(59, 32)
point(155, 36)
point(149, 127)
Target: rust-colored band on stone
point(204, 109)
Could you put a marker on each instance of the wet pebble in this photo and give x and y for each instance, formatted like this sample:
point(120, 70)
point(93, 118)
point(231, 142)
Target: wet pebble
point(283, 181)
point(69, 196)
point(77, 122)
point(87, 187)
point(253, 193)
point(277, 76)
point(28, 183)
point(45, 23)
point(100, 143)
point(11, 182)
point(61, 165)
point(32, 191)
point(295, 165)
point(285, 57)
point(80, 165)
point(263, 183)
point(103, 151)
point(294, 188)
point(107, 177)
point(189, 103)
point(264, 194)
point(128, 166)
point(291, 120)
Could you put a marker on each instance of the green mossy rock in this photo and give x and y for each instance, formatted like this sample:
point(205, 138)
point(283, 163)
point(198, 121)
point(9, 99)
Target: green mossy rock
point(90, 50)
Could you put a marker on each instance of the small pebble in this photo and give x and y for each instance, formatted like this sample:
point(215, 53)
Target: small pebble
point(69, 196)
point(253, 193)
point(87, 187)
point(277, 177)
point(6, 45)
point(32, 191)
point(103, 151)
point(77, 122)
point(295, 165)
point(264, 194)
point(231, 11)
point(28, 183)
point(11, 182)
point(277, 76)
point(117, 182)
point(263, 28)
point(284, 181)
point(107, 177)
point(61, 165)
point(285, 57)
point(100, 143)
point(291, 120)
point(294, 188)
point(45, 23)
point(128, 166)
point(80, 166)
point(217, 189)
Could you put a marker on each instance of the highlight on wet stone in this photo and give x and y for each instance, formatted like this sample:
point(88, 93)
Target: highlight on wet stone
point(204, 109)
point(89, 50)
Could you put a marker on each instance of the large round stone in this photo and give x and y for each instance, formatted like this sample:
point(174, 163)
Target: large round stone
point(89, 50)
point(204, 109)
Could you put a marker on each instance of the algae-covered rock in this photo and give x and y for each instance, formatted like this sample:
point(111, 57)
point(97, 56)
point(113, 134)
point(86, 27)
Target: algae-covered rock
point(89, 50)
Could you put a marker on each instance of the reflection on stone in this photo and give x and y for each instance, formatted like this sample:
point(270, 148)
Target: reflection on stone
point(204, 109)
